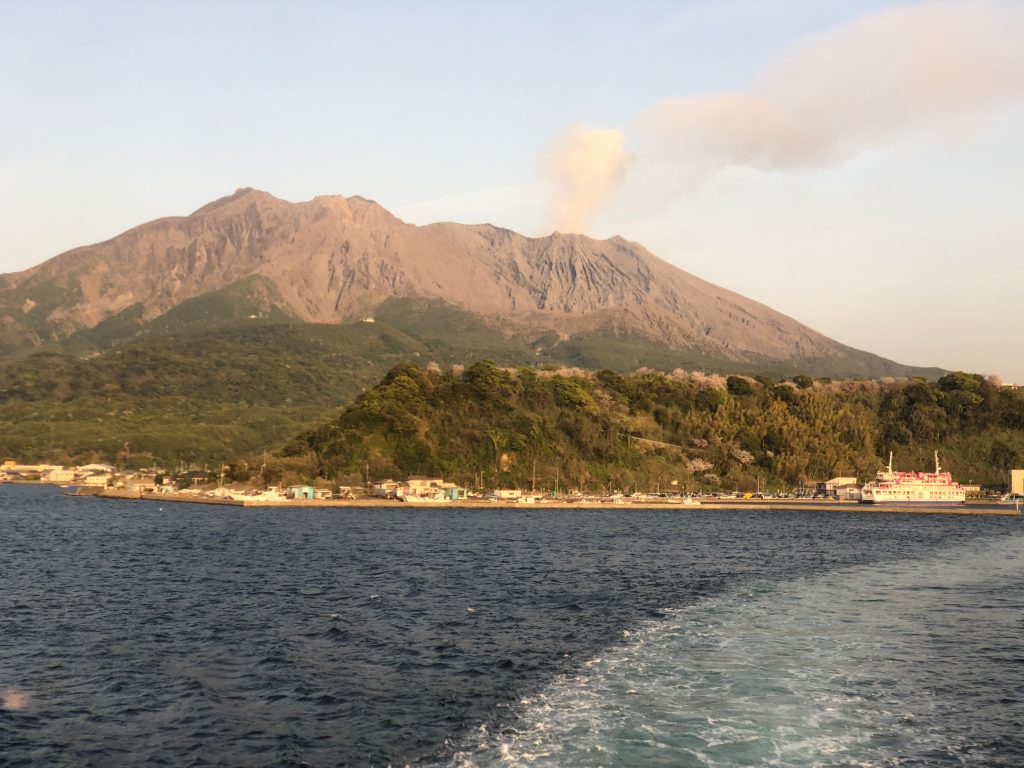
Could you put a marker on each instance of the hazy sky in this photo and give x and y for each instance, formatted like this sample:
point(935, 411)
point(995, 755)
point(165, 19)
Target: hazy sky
point(858, 165)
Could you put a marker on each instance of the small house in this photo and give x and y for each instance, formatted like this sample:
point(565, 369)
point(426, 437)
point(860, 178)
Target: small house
point(142, 483)
point(848, 492)
point(422, 485)
point(301, 492)
point(385, 489)
point(453, 492)
point(830, 488)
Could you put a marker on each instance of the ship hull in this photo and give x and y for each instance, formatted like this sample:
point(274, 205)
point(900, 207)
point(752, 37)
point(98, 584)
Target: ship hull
point(914, 503)
point(914, 489)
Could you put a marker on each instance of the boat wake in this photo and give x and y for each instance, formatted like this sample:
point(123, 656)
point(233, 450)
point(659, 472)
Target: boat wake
point(882, 665)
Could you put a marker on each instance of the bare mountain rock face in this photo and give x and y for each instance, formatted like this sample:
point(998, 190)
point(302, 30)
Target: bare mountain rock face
point(333, 259)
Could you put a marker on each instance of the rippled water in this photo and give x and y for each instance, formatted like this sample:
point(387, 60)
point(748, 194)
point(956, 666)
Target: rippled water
point(194, 635)
point(914, 663)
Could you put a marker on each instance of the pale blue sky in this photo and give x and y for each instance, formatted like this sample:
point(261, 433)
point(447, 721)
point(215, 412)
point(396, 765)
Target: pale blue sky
point(902, 238)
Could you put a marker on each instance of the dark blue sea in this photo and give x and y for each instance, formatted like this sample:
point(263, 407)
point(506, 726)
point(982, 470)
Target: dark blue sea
point(135, 633)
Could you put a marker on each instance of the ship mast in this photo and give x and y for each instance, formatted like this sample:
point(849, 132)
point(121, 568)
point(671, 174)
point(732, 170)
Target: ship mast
point(890, 462)
point(937, 467)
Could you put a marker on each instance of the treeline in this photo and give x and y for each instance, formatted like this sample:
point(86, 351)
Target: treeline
point(190, 399)
point(488, 426)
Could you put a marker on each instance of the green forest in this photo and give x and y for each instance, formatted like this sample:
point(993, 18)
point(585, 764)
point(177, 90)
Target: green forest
point(548, 427)
point(344, 405)
point(193, 397)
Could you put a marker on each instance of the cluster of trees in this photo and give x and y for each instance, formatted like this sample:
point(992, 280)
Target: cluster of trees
point(487, 425)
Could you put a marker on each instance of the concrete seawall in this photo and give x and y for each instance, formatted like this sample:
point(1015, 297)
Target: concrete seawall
point(623, 505)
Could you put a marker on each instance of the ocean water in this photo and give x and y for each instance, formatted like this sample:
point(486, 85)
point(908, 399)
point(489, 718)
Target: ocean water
point(139, 634)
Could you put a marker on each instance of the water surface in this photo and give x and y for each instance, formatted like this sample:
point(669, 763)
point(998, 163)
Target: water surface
point(196, 635)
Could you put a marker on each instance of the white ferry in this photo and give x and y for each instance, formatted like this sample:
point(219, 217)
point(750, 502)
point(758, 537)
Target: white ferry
point(928, 488)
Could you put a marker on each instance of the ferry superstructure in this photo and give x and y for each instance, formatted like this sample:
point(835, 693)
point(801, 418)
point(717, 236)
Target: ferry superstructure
point(927, 488)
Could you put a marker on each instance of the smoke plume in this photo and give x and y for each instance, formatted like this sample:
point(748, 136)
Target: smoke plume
point(586, 165)
point(863, 85)
point(858, 87)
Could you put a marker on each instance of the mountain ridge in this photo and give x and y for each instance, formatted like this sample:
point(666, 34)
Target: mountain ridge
point(333, 259)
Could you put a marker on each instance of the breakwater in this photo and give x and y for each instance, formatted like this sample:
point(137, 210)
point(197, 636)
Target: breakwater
point(625, 504)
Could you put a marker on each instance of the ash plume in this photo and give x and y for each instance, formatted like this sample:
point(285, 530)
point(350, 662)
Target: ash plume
point(585, 165)
point(857, 87)
point(863, 85)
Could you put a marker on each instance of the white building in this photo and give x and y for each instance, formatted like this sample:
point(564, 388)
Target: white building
point(849, 492)
point(838, 482)
point(1016, 481)
point(59, 475)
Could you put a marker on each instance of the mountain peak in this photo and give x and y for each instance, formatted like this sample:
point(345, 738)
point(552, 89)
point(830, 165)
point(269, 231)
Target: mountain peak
point(333, 258)
point(240, 194)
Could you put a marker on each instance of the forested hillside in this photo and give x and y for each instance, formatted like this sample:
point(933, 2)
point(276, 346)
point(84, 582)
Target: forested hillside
point(219, 394)
point(492, 426)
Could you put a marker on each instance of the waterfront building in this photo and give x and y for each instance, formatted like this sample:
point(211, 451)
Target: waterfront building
point(831, 487)
point(1016, 481)
point(301, 492)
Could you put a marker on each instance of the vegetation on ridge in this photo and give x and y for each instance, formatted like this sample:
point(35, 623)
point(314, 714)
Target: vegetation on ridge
point(204, 390)
point(492, 426)
point(225, 375)
point(191, 389)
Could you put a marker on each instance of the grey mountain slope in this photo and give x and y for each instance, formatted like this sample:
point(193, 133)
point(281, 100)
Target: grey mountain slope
point(332, 259)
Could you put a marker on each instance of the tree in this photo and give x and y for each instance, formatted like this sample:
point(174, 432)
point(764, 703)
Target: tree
point(803, 381)
point(486, 380)
point(709, 399)
point(739, 386)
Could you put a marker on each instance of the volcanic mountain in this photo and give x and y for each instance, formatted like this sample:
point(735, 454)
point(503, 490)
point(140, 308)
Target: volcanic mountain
point(335, 260)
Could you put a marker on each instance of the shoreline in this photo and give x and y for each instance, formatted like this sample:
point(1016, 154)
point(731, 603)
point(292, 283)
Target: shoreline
point(774, 505)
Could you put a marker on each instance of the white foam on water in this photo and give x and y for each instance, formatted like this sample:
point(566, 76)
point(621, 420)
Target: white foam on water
point(840, 669)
